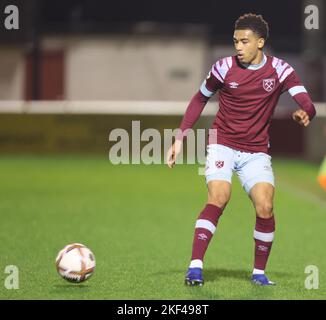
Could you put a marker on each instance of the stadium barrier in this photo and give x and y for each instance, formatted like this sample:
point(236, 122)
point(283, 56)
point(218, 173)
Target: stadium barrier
point(84, 126)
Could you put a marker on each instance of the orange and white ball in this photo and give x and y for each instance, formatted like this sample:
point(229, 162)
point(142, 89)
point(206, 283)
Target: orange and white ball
point(75, 262)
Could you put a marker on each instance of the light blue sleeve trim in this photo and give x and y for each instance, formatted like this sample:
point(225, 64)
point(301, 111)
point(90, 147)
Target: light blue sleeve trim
point(297, 89)
point(205, 91)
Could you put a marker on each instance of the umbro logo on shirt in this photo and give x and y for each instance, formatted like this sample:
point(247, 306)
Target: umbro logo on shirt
point(233, 85)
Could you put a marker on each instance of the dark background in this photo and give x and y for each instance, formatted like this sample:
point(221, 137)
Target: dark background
point(102, 16)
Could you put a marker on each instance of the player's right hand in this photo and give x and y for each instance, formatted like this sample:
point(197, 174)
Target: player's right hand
point(173, 152)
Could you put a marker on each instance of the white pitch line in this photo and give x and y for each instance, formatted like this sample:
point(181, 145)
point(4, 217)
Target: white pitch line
point(303, 194)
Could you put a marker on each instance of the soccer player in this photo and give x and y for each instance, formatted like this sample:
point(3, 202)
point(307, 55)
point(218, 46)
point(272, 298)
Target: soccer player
point(249, 84)
point(322, 174)
point(322, 170)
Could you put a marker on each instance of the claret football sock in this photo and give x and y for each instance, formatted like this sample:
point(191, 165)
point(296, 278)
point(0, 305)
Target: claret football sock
point(204, 230)
point(263, 236)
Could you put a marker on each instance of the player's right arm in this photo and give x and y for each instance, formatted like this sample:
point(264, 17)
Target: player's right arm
point(208, 88)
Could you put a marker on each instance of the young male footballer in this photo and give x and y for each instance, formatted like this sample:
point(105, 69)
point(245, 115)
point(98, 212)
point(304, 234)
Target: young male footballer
point(249, 84)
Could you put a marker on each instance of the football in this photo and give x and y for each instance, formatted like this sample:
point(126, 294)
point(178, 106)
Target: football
point(75, 262)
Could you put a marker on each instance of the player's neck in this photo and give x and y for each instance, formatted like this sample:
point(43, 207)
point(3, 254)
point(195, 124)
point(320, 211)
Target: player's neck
point(258, 59)
point(257, 63)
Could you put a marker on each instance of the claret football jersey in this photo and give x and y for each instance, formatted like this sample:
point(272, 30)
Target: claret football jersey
point(248, 96)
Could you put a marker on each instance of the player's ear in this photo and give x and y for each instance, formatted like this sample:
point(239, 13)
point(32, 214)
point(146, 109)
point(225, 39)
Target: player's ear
point(261, 43)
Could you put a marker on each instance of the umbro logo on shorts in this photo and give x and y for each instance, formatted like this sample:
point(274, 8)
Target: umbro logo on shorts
point(219, 164)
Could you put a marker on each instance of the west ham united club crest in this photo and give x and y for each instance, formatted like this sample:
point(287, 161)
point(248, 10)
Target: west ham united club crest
point(269, 84)
point(219, 164)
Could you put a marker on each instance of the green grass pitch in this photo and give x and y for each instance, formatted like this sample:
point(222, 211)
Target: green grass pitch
point(139, 222)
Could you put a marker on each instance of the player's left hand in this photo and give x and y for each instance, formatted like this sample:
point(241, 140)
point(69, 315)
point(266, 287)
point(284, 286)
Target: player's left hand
point(301, 117)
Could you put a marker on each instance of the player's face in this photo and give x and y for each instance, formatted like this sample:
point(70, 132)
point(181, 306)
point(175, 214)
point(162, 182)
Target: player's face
point(247, 44)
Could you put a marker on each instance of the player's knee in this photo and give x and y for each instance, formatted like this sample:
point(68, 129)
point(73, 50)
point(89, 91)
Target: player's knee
point(264, 210)
point(220, 200)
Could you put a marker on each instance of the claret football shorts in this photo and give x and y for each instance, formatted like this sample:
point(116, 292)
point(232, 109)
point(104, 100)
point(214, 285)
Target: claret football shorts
point(251, 168)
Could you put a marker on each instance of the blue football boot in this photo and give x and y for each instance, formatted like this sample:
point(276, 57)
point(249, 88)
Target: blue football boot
point(261, 280)
point(194, 277)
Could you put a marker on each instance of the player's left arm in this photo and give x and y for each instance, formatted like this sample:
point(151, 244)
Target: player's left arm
point(307, 111)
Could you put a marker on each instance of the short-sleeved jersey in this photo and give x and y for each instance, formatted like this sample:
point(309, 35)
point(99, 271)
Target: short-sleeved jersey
point(247, 99)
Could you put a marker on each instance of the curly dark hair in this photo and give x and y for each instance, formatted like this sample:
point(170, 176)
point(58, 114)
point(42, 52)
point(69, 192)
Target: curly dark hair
point(254, 22)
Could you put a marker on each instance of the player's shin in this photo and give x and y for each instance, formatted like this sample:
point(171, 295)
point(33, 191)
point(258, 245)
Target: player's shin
point(204, 230)
point(263, 236)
